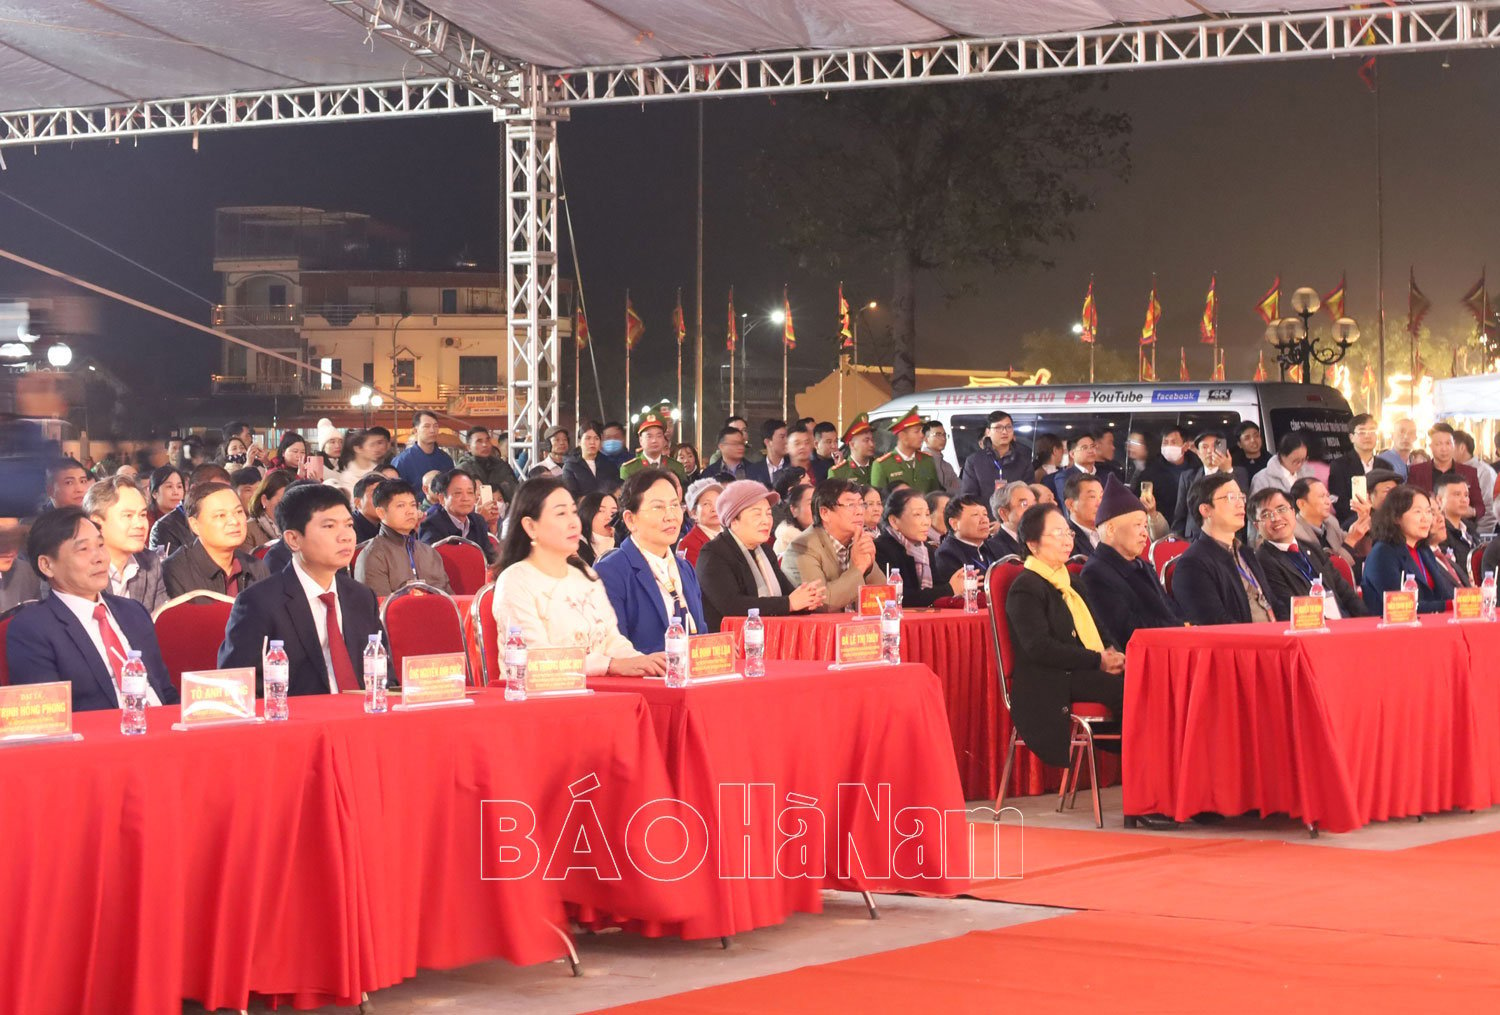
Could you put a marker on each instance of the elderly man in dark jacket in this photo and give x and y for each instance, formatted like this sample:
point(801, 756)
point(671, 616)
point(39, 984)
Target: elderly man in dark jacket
point(1121, 589)
point(1218, 580)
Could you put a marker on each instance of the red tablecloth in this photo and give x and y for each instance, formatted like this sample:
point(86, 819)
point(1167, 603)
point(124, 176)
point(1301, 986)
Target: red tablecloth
point(957, 647)
point(1360, 724)
point(318, 858)
point(801, 733)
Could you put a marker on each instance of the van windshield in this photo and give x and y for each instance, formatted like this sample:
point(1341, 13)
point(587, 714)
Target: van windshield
point(1326, 430)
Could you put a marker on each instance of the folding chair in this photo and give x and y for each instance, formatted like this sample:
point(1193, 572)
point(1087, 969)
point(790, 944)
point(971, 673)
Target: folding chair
point(1166, 574)
point(1476, 564)
point(189, 630)
point(1164, 549)
point(483, 638)
point(358, 549)
point(465, 564)
point(5, 619)
point(259, 553)
point(421, 619)
point(1342, 567)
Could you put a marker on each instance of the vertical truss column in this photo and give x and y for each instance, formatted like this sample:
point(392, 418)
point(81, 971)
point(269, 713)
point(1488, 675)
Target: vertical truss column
point(530, 198)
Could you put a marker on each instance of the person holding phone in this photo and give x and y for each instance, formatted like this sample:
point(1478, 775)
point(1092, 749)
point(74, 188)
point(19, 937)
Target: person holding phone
point(1213, 451)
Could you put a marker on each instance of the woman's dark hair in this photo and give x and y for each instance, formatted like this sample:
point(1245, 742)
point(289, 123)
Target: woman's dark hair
point(1034, 522)
point(589, 508)
point(1385, 521)
point(530, 497)
point(591, 426)
point(697, 460)
point(1291, 443)
point(895, 504)
point(275, 480)
point(351, 442)
point(1045, 447)
point(287, 440)
point(161, 475)
point(794, 498)
point(786, 479)
point(633, 490)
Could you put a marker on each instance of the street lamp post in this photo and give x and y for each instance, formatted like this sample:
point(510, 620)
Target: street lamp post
point(775, 317)
point(367, 400)
point(1295, 344)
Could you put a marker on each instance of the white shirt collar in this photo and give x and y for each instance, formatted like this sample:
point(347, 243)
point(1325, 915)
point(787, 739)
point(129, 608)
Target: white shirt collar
point(119, 579)
point(310, 586)
point(80, 607)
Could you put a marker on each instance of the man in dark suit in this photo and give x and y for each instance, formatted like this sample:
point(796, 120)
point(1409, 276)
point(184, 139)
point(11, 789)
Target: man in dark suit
point(1122, 590)
point(1290, 564)
point(323, 617)
point(1213, 452)
point(1082, 494)
point(456, 515)
point(1423, 475)
point(1364, 435)
point(773, 440)
point(736, 571)
point(1218, 580)
point(1009, 503)
point(967, 543)
point(79, 632)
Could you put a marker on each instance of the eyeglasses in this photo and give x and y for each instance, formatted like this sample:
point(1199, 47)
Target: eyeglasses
point(1060, 534)
point(1274, 512)
point(850, 505)
point(1366, 431)
point(1002, 426)
point(1232, 498)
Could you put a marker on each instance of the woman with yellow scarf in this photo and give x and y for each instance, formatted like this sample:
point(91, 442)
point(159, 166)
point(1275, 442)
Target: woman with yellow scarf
point(1060, 657)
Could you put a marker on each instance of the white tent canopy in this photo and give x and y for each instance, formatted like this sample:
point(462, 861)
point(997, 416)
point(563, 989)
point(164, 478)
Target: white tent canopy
point(1476, 397)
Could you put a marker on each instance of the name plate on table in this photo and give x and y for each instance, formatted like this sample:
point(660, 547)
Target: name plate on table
point(1468, 605)
point(432, 680)
point(217, 698)
point(1400, 610)
point(1307, 615)
point(711, 658)
point(857, 644)
point(555, 671)
point(872, 599)
point(37, 713)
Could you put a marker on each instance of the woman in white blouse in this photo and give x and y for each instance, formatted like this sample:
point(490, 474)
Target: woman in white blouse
point(551, 595)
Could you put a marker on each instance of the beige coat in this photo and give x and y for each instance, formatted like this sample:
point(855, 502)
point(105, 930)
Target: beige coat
point(813, 555)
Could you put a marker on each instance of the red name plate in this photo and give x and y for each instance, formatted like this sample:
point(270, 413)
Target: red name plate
point(858, 643)
point(217, 696)
point(1400, 608)
point(36, 711)
point(1307, 614)
point(433, 680)
point(872, 599)
point(555, 671)
point(1468, 604)
point(710, 655)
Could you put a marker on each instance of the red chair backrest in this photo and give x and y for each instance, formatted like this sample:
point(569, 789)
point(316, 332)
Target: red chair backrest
point(358, 549)
point(997, 583)
point(189, 634)
point(259, 553)
point(1342, 567)
point(1476, 561)
point(483, 637)
point(1075, 566)
point(1166, 574)
point(465, 565)
point(4, 666)
point(1165, 549)
point(421, 620)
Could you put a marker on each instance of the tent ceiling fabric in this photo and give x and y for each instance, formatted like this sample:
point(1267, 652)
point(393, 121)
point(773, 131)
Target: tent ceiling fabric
point(68, 53)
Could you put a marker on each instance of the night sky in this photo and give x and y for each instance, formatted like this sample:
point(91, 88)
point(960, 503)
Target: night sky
point(1249, 171)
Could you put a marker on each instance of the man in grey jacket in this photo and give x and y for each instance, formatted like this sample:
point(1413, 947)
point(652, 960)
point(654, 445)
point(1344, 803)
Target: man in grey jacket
point(117, 507)
point(485, 464)
point(835, 549)
point(396, 556)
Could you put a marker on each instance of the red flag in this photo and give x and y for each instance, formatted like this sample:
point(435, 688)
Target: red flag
point(844, 329)
point(788, 335)
point(1219, 366)
point(1209, 326)
point(1334, 301)
point(1417, 306)
point(733, 337)
point(634, 326)
point(1153, 316)
point(1367, 67)
point(1182, 371)
point(1090, 316)
point(1269, 307)
point(679, 324)
point(1148, 369)
point(1260, 367)
point(1477, 300)
point(581, 329)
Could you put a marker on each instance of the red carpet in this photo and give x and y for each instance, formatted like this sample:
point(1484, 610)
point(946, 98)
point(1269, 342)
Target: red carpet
point(1125, 963)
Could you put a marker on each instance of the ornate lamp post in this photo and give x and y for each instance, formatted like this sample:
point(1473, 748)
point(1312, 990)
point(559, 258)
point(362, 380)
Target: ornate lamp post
point(1295, 344)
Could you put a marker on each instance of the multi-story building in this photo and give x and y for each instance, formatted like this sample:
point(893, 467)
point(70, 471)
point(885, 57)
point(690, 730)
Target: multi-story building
point(337, 290)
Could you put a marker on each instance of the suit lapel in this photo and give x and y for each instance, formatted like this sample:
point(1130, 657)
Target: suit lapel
point(646, 580)
point(299, 611)
point(84, 644)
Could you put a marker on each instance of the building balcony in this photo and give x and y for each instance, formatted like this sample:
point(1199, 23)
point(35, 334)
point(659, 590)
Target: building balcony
point(269, 316)
point(225, 384)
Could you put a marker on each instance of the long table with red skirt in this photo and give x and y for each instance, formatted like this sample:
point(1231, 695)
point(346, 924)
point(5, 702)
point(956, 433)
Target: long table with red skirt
point(1335, 729)
point(957, 646)
point(805, 779)
point(314, 859)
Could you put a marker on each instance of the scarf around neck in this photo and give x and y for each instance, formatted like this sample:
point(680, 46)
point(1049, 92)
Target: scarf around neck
point(1083, 620)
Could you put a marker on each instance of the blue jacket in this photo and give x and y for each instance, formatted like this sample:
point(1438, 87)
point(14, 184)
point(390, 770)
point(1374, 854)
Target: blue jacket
point(984, 471)
point(414, 463)
point(1387, 565)
point(636, 597)
point(45, 642)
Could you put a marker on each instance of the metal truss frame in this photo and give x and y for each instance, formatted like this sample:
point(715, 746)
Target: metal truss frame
point(1205, 41)
point(380, 100)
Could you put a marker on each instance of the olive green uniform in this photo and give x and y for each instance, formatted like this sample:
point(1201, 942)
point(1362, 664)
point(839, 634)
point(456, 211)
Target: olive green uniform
point(638, 463)
point(848, 470)
point(920, 474)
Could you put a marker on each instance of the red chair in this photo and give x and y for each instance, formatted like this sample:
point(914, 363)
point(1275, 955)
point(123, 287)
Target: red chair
point(1075, 564)
point(1476, 562)
point(259, 553)
point(358, 549)
point(5, 619)
point(189, 630)
point(1342, 567)
point(465, 564)
point(421, 619)
point(1165, 549)
point(997, 582)
point(1166, 574)
point(483, 637)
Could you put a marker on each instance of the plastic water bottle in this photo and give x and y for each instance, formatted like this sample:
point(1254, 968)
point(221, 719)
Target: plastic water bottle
point(971, 590)
point(515, 665)
point(894, 579)
point(133, 685)
point(890, 632)
point(1409, 583)
point(677, 654)
point(278, 675)
point(376, 698)
point(755, 645)
point(1487, 595)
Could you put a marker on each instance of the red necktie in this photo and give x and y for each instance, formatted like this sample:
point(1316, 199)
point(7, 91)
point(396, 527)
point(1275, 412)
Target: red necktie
point(343, 668)
point(114, 651)
point(1292, 548)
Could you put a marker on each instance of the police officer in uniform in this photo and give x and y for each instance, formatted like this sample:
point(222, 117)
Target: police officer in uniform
point(860, 437)
point(653, 435)
point(906, 462)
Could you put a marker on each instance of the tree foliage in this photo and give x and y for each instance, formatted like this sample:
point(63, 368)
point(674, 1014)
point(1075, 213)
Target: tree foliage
point(965, 180)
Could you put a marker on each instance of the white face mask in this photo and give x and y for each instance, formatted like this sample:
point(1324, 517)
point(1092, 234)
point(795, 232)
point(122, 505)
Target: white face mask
point(1172, 452)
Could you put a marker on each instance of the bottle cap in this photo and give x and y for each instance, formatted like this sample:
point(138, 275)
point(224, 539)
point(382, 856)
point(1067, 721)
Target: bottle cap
point(133, 654)
point(374, 639)
point(753, 612)
point(278, 644)
point(515, 629)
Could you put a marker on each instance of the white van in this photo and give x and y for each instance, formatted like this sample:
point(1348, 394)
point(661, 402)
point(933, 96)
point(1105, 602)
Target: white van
point(1316, 411)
